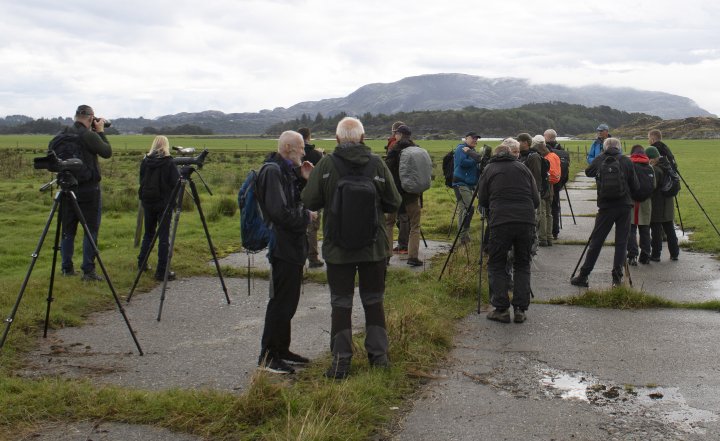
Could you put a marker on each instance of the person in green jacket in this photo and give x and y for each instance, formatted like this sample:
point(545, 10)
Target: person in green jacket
point(663, 210)
point(369, 261)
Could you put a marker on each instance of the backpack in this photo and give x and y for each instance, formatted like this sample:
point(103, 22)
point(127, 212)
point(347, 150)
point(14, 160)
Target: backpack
point(543, 186)
point(415, 169)
point(671, 183)
point(151, 185)
point(67, 145)
point(564, 165)
point(611, 181)
point(353, 208)
point(255, 233)
point(646, 179)
point(448, 166)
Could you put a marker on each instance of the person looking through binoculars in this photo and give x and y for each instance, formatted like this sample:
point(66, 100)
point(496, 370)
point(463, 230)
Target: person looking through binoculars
point(158, 175)
point(88, 133)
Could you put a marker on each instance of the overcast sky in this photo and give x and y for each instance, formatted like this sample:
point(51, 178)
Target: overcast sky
point(152, 58)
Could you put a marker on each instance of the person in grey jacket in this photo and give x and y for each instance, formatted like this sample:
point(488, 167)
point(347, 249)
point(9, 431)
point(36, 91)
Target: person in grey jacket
point(509, 194)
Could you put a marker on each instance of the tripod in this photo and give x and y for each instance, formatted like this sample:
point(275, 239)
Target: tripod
point(466, 220)
point(65, 195)
point(177, 196)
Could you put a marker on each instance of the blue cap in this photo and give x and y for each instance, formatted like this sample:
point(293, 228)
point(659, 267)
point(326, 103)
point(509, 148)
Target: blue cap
point(602, 127)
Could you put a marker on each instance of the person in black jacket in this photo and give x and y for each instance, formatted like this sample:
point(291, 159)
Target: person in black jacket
point(158, 176)
point(278, 189)
point(611, 212)
point(314, 156)
point(509, 194)
point(89, 199)
point(655, 140)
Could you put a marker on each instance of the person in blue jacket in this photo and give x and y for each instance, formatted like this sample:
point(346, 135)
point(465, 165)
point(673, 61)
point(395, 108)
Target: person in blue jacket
point(467, 170)
point(597, 146)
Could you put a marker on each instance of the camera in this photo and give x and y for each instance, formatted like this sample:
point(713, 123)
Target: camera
point(52, 163)
point(107, 121)
point(198, 160)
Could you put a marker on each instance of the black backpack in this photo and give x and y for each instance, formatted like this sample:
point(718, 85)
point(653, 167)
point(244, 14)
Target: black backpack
point(671, 183)
point(611, 181)
point(564, 166)
point(67, 145)
point(544, 185)
point(354, 207)
point(448, 166)
point(646, 179)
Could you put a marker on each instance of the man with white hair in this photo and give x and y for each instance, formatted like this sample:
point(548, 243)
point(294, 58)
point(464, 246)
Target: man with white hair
point(278, 192)
point(355, 240)
point(563, 155)
point(614, 172)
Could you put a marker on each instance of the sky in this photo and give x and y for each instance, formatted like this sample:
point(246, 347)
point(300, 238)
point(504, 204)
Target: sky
point(154, 58)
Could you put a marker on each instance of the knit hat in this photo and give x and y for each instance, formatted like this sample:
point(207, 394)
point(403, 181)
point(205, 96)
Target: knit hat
point(538, 139)
point(652, 152)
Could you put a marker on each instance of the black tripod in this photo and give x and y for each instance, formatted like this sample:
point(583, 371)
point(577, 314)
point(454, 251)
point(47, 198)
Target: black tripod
point(466, 222)
point(65, 195)
point(176, 199)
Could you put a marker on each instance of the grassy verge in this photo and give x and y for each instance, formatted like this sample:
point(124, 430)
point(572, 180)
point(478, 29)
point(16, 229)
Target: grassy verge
point(624, 297)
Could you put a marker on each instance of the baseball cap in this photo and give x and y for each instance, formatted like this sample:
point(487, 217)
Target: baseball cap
point(84, 109)
point(473, 134)
point(602, 127)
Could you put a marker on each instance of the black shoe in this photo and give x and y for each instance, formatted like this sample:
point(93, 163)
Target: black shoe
point(293, 358)
point(673, 257)
point(160, 277)
point(632, 261)
point(617, 278)
point(339, 369)
point(555, 236)
point(499, 315)
point(414, 262)
point(380, 363)
point(276, 366)
point(519, 315)
point(91, 276)
point(315, 263)
point(655, 259)
point(69, 273)
point(644, 259)
point(580, 280)
point(542, 243)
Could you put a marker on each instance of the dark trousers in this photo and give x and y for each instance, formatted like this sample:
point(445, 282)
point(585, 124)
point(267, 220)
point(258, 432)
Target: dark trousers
point(90, 203)
point(285, 287)
point(657, 229)
point(645, 244)
point(518, 237)
point(371, 282)
point(153, 215)
point(555, 206)
point(604, 221)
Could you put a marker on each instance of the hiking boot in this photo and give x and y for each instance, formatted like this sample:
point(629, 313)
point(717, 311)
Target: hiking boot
point(655, 259)
point(617, 278)
point(339, 369)
point(315, 263)
point(644, 259)
point(69, 273)
point(91, 276)
point(380, 363)
point(580, 280)
point(555, 237)
point(276, 366)
point(543, 243)
point(160, 277)
point(632, 261)
point(293, 358)
point(519, 315)
point(400, 250)
point(413, 261)
point(673, 257)
point(499, 315)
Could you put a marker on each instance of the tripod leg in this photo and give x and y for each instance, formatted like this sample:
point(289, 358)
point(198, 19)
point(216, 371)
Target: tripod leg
point(682, 228)
point(196, 197)
point(482, 234)
point(468, 212)
point(627, 271)
point(56, 248)
point(171, 248)
point(452, 220)
point(699, 204)
point(9, 320)
point(567, 195)
point(581, 256)
point(86, 230)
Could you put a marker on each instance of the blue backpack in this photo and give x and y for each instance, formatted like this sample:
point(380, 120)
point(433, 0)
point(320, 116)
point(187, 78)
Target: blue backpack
point(255, 232)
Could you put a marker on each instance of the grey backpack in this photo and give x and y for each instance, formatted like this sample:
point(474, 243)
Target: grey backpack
point(415, 169)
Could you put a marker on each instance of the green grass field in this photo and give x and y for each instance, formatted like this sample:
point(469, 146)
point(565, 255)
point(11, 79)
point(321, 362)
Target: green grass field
point(420, 322)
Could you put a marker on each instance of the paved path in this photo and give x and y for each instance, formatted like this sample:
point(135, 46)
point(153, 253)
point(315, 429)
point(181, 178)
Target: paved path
point(583, 374)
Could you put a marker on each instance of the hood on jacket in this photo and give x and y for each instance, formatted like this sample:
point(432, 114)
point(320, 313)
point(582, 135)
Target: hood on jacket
point(155, 160)
point(502, 157)
point(355, 153)
point(640, 158)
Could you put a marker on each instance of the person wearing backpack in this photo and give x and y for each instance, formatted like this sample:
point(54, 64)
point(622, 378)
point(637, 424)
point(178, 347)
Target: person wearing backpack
point(402, 218)
point(278, 192)
point(354, 188)
point(551, 176)
point(597, 146)
point(91, 141)
point(564, 157)
point(662, 218)
point(466, 171)
point(616, 181)
point(410, 201)
point(655, 140)
point(535, 163)
point(314, 156)
point(642, 209)
point(158, 177)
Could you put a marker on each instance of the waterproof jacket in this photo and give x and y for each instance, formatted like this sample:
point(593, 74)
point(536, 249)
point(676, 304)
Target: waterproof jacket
point(663, 208)
point(393, 162)
point(628, 171)
point(508, 190)
point(642, 210)
point(169, 175)
point(319, 192)
point(665, 151)
point(95, 144)
point(595, 149)
point(466, 172)
point(533, 161)
point(278, 192)
point(311, 154)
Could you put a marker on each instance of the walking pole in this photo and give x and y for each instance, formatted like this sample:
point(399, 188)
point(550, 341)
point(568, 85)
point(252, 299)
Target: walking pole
point(699, 205)
point(627, 270)
point(482, 236)
point(567, 195)
point(422, 235)
point(581, 257)
point(682, 228)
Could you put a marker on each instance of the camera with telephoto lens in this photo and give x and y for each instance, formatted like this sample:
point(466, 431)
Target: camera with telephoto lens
point(107, 121)
point(198, 160)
